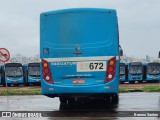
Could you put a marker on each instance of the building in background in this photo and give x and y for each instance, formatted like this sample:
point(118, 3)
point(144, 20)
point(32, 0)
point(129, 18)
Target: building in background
point(36, 58)
point(147, 58)
point(18, 58)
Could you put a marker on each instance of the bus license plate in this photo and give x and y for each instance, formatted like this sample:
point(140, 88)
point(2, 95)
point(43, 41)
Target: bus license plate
point(78, 81)
point(14, 80)
point(91, 66)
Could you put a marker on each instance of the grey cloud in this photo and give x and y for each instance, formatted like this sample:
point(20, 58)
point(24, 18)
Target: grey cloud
point(138, 23)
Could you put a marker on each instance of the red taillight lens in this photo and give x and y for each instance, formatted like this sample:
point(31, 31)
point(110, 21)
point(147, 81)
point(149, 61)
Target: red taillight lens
point(46, 72)
point(111, 69)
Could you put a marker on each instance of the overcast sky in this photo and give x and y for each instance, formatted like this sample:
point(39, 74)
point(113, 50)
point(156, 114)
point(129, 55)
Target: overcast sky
point(139, 23)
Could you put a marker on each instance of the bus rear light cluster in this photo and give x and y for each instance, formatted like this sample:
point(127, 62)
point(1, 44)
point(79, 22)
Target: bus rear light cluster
point(111, 69)
point(46, 72)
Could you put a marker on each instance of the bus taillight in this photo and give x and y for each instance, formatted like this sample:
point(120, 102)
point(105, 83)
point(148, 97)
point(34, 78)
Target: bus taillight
point(46, 72)
point(111, 69)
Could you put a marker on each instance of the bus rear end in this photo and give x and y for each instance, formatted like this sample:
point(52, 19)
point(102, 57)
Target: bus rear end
point(79, 52)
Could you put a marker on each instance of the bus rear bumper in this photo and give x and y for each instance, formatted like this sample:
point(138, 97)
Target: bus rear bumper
point(61, 90)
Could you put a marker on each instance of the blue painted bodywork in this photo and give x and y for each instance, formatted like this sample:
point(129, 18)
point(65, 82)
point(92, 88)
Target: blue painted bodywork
point(34, 79)
point(91, 86)
point(95, 31)
point(122, 78)
point(152, 77)
point(132, 77)
point(14, 80)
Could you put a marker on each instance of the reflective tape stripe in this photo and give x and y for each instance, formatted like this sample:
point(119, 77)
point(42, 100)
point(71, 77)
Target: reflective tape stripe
point(80, 58)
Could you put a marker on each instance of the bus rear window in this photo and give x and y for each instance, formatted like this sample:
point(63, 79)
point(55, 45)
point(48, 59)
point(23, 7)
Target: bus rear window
point(80, 28)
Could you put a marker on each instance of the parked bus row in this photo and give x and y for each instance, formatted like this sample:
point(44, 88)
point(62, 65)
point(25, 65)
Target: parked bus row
point(137, 71)
point(16, 74)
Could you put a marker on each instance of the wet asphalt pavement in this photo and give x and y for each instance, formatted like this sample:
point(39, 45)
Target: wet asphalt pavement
point(129, 103)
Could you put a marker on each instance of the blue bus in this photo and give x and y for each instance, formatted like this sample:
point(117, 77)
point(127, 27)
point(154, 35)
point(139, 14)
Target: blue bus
point(79, 49)
point(0, 75)
point(14, 73)
point(2, 81)
point(135, 72)
point(33, 73)
point(123, 73)
point(152, 72)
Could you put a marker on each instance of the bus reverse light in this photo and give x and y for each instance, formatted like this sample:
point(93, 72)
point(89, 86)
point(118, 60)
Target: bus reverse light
point(47, 78)
point(110, 76)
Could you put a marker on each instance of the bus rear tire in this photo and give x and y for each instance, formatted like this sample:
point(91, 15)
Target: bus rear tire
point(115, 98)
point(63, 100)
point(71, 100)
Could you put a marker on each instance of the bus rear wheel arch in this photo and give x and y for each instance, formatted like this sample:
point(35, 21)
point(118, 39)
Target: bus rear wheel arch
point(63, 99)
point(115, 98)
point(70, 100)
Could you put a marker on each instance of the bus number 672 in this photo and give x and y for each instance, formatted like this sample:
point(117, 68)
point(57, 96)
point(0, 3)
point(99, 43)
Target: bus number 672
point(95, 66)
